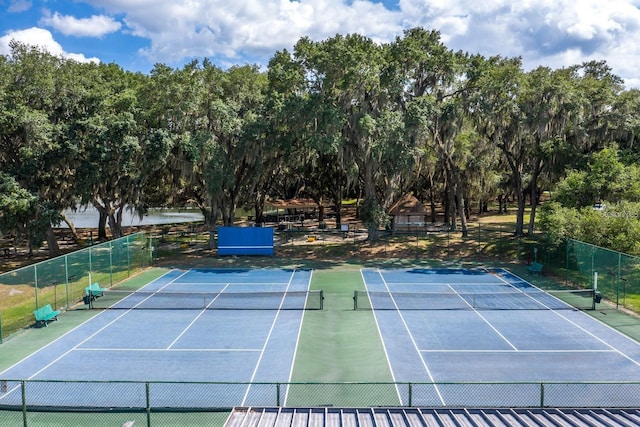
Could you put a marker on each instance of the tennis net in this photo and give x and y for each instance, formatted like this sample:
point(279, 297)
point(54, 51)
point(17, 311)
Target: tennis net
point(583, 299)
point(150, 300)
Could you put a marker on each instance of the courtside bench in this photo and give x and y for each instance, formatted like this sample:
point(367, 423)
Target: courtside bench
point(535, 268)
point(44, 314)
point(94, 290)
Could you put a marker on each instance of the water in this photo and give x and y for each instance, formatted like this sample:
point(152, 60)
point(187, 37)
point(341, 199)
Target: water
point(88, 218)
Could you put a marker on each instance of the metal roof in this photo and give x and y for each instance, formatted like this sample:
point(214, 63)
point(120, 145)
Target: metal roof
point(426, 417)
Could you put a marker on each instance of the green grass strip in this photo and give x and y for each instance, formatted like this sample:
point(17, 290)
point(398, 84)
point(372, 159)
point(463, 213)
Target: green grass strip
point(338, 345)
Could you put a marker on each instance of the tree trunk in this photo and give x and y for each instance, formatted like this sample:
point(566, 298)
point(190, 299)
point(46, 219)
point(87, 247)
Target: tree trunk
point(102, 224)
point(52, 243)
point(213, 223)
point(460, 200)
point(519, 232)
point(72, 227)
point(115, 223)
point(534, 197)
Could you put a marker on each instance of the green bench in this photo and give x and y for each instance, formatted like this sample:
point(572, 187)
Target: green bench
point(535, 268)
point(94, 290)
point(44, 314)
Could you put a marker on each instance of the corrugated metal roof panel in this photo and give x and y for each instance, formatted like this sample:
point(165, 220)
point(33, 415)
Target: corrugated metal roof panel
point(427, 417)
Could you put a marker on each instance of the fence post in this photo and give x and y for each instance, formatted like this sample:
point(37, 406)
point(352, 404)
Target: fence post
point(278, 394)
point(66, 279)
point(542, 395)
point(23, 387)
point(128, 247)
point(618, 280)
point(566, 263)
point(110, 264)
point(148, 403)
point(35, 282)
point(410, 394)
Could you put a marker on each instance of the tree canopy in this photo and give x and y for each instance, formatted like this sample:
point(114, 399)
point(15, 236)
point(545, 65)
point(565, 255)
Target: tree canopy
point(343, 117)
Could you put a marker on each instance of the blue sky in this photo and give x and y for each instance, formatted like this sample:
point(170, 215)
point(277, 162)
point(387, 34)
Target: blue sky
point(136, 34)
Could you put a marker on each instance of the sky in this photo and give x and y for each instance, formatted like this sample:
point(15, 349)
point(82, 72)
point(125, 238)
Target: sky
point(136, 34)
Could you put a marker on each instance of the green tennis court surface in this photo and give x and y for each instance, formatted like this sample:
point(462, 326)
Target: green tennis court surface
point(435, 337)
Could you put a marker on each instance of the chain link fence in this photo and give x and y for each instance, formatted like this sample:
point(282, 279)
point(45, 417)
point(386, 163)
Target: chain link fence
point(60, 281)
point(570, 265)
point(581, 265)
point(40, 402)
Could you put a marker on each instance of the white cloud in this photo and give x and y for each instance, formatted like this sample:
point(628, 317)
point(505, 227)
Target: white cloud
point(41, 38)
point(185, 28)
point(95, 26)
point(542, 32)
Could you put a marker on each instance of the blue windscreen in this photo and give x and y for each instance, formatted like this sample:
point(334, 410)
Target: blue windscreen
point(245, 241)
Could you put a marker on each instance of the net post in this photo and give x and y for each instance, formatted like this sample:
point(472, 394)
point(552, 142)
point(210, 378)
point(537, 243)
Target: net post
point(321, 300)
point(355, 299)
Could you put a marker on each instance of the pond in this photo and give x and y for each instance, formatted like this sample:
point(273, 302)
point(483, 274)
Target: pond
point(88, 217)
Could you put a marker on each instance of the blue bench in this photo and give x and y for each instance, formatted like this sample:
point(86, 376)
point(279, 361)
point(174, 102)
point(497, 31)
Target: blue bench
point(94, 290)
point(535, 268)
point(44, 314)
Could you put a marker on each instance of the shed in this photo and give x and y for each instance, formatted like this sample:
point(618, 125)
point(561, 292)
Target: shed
point(408, 214)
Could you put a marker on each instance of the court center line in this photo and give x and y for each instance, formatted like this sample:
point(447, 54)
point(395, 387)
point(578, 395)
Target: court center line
point(264, 347)
point(484, 319)
point(204, 310)
point(556, 312)
point(413, 341)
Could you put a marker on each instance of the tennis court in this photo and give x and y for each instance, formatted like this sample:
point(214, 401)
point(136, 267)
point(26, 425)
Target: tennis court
point(163, 333)
point(441, 326)
point(207, 338)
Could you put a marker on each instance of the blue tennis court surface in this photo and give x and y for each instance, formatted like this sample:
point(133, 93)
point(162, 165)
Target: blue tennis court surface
point(173, 345)
point(500, 342)
point(438, 328)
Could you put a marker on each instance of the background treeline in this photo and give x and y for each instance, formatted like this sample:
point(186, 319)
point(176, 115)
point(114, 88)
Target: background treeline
point(344, 117)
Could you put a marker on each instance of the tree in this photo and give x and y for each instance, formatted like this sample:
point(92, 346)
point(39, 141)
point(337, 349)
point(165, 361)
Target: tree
point(233, 170)
point(108, 171)
point(32, 135)
point(346, 76)
point(498, 117)
point(435, 88)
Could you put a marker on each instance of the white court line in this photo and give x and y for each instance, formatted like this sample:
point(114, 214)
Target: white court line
point(230, 283)
point(519, 351)
point(462, 284)
point(264, 347)
point(557, 313)
point(204, 310)
point(413, 341)
point(485, 320)
point(172, 350)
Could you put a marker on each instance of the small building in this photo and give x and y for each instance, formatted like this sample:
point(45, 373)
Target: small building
point(408, 215)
